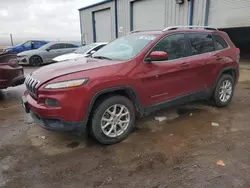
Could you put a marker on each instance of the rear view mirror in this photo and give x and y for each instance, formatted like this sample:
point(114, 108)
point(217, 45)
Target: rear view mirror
point(48, 49)
point(157, 56)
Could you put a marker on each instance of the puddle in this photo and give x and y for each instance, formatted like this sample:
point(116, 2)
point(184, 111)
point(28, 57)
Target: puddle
point(55, 143)
point(73, 144)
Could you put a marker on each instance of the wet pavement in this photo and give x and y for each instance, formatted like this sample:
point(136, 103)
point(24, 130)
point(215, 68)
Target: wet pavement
point(179, 152)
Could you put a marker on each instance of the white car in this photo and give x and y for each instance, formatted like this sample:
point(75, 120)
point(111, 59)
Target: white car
point(83, 51)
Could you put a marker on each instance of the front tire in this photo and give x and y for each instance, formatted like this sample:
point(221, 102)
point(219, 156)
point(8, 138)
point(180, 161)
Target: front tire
point(224, 90)
point(112, 120)
point(35, 61)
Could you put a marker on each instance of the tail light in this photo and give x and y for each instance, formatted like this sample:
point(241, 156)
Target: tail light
point(238, 55)
point(238, 50)
point(13, 63)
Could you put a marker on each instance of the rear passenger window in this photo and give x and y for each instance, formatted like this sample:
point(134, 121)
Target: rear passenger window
point(70, 46)
point(174, 45)
point(201, 43)
point(220, 42)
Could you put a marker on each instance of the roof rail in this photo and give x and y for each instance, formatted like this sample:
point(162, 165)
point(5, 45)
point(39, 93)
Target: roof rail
point(134, 31)
point(147, 30)
point(189, 27)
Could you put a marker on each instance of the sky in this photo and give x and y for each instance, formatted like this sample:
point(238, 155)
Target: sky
point(40, 19)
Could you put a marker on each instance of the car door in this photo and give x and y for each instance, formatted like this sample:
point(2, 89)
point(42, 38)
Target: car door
point(53, 51)
point(36, 44)
point(171, 78)
point(202, 57)
point(68, 48)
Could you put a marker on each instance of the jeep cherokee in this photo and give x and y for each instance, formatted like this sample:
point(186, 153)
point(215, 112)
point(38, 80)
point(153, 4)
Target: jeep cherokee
point(132, 76)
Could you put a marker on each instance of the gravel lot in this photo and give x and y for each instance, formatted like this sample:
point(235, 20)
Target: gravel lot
point(182, 151)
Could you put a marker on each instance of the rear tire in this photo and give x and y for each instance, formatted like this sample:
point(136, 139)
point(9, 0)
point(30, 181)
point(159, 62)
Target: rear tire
point(35, 61)
point(224, 90)
point(112, 120)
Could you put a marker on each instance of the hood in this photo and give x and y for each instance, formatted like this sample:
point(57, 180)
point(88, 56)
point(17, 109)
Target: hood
point(68, 57)
point(29, 52)
point(8, 48)
point(55, 70)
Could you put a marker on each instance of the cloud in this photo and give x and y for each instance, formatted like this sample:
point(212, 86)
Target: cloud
point(43, 19)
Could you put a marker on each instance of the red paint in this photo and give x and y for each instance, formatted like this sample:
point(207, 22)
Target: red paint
point(11, 74)
point(154, 82)
point(158, 56)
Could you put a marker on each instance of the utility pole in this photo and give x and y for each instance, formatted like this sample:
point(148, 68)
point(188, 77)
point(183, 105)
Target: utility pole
point(11, 40)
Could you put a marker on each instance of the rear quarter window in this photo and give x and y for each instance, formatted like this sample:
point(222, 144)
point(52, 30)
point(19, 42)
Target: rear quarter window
point(201, 43)
point(220, 43)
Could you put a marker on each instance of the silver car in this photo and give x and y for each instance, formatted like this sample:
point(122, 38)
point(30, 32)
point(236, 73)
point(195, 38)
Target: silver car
point(84, 51)
point(46, 53)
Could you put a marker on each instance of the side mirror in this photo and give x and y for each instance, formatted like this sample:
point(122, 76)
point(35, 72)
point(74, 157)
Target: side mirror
point(48, 49)
point(92, 52)
point(157, 56)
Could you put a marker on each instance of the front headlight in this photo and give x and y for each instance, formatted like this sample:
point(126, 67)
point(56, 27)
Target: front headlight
point(8, 50)
point(67, 84)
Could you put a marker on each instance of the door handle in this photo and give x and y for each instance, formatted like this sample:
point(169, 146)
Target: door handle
point(184, 65)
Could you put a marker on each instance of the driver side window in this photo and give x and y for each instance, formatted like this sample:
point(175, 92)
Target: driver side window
point(174, 45)
point(27, 44)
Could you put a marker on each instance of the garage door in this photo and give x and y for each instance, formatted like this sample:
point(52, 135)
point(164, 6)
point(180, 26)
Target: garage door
point(229, 13)
point(148, 14)
point(103, 25)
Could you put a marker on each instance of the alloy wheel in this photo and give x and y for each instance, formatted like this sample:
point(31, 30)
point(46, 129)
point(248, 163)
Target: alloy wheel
point(226, 90)
point(115, 120)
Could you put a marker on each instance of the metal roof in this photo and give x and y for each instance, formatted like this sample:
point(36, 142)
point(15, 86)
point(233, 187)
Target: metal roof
point(96, 4)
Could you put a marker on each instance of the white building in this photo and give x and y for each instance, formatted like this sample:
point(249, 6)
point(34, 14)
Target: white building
point(110, 19)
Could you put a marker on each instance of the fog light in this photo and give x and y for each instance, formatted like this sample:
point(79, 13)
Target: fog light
point(52, 103)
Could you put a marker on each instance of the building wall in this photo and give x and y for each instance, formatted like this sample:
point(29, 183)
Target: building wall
point(199, 12)
point(175, 14)
point(87, 21)
point(123, 17)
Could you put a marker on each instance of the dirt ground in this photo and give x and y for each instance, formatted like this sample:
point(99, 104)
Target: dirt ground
point(182, 151)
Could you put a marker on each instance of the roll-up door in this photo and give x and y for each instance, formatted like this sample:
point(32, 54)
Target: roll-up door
point(102, 21)
point(229, 13)
point(148, 14)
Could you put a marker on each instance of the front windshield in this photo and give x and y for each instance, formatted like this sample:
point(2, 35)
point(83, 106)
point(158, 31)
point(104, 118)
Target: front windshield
point(21, 43)
point(125, 48)
point(84, 49)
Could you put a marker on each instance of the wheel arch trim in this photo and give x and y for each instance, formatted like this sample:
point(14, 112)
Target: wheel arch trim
point(225, 70)
point(127, 88)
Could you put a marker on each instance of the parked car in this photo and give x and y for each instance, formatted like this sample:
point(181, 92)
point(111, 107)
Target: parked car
point(11, 74)
point(46, 53)
point(25, 46)
point(133, 76)
point(83, 51)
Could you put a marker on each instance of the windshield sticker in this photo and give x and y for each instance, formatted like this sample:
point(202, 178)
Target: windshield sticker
point(147, 37)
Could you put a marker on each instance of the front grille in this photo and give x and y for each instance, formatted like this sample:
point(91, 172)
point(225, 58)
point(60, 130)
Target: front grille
point(31, 85)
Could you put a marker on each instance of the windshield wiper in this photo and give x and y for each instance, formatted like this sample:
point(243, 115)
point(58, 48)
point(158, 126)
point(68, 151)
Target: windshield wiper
point(102, 57)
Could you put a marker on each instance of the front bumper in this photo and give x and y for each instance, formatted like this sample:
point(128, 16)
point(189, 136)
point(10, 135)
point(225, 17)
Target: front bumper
point(58, 124)
point(22, 60)
point(52, 123)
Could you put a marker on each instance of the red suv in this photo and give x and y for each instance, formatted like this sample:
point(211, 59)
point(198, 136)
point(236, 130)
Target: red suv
point(132, 76)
